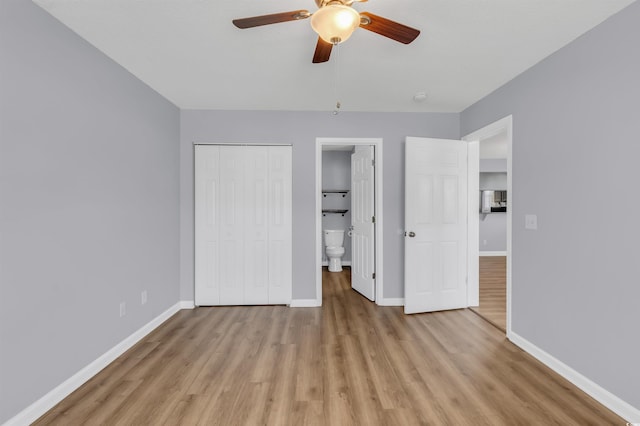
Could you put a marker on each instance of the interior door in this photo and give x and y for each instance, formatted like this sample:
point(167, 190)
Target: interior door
point(207, 225)
point(362, 221)
point(280, 222)
point(255, 225)
point(436, 225)
point(231, 259)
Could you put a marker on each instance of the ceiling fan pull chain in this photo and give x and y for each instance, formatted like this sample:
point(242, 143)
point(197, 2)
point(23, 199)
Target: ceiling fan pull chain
point(336, 77)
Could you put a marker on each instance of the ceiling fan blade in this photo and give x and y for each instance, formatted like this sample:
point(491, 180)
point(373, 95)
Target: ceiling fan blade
point(388, 28)
point(323, 51)
point(274, 18)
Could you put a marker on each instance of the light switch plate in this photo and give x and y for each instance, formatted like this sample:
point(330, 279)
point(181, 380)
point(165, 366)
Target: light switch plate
point(530, 221)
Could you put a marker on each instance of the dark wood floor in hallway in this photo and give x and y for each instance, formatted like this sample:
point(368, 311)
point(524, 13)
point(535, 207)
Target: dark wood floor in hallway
point(348, 363)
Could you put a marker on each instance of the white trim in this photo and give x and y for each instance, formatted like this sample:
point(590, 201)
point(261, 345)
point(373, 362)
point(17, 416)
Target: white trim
point(504, 124)
point(597, 392)
point(187, 304)
point(48, 401)
point(493, 253)
point(305, 303)
point(473, 223)
point(377, 143)
point(392, 301)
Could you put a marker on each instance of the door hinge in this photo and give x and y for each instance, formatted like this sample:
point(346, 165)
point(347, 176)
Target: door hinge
point(373, 276)
point(373, 219)
point(373, 162)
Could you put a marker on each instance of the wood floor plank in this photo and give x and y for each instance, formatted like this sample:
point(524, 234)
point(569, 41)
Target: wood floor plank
point(350, 362)
point(309, 380)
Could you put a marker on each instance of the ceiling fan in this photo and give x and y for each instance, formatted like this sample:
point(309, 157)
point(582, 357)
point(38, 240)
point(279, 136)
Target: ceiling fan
point(335, 21)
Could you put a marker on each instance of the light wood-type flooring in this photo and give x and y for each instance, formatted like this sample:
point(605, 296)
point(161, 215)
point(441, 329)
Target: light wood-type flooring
point(493, 291)
point(348, 363)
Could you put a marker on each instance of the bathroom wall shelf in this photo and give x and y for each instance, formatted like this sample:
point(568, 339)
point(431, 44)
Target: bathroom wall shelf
point(333, 211)
point(342, 192)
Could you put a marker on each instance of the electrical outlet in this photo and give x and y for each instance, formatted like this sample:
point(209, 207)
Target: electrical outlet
point(531, 222)
point(143, 297)
point(123, 309)
point(484, 242)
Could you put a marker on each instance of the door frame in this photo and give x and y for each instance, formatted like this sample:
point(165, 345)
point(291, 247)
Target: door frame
point(503, 125)
point(377, 176)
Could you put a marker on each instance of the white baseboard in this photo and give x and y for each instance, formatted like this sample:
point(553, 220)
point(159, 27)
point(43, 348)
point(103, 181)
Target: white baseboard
point(603, 396)
point(492, 253)
point(391, 301)
point(305, 303)
point(187, 304)
point(44, 404)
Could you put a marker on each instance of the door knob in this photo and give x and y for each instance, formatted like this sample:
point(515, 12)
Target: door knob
point(412, 234)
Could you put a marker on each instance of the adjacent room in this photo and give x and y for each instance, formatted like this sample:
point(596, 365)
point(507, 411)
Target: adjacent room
point(237, 212)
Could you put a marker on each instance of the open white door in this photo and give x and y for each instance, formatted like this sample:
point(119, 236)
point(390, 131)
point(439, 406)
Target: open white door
point(436, 225)
point(362, 221)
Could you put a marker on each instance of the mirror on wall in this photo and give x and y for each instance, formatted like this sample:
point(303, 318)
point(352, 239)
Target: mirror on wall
point(493, 201)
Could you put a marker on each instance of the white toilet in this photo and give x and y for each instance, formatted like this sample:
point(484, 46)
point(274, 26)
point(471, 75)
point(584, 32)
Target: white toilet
point(333, 240)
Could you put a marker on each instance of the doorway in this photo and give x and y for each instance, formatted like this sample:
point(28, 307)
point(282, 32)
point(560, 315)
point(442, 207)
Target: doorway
point(491, 299)
point(371, 258)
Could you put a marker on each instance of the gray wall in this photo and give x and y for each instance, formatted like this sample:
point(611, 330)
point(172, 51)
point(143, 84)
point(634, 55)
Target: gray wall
point(89, 214)
point(493, 181)
point(575, 135)
point(301, 129)
point(336, 174)
point(493, 232)
point(493, 165)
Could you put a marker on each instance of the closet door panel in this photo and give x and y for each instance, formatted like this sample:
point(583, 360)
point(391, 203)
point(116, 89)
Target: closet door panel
point(231, 211)
point(280, 225)
point(207, 241)
point(256, 229)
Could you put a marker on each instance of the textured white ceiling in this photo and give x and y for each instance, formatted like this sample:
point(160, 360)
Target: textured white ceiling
point(189, 51)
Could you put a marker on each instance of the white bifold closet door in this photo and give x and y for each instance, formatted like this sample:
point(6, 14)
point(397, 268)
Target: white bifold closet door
point(242, 225)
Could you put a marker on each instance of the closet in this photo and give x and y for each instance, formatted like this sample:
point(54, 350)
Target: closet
point(243, 224)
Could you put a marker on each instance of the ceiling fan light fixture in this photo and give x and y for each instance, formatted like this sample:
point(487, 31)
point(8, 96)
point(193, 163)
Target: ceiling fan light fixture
point(335, 22)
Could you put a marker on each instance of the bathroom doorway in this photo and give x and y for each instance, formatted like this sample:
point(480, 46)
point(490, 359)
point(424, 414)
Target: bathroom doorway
point(349, 205)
